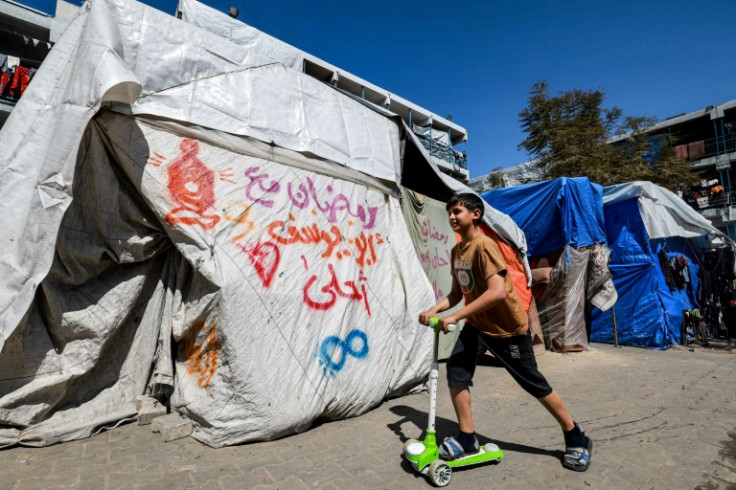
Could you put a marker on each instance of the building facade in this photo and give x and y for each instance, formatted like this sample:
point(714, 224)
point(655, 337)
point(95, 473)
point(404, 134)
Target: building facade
point(707, 139)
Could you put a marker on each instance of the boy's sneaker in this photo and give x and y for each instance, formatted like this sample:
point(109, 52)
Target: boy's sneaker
point(452, 449)
point(578, 458)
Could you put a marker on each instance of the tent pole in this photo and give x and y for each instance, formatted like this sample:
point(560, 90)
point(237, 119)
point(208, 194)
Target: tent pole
point(615, 331)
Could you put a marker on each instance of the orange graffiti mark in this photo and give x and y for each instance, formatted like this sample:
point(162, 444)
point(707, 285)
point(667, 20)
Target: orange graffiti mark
point(239, 213)
point(287, 235)
point(201, 359)
point(366, 248)
point(192, 184)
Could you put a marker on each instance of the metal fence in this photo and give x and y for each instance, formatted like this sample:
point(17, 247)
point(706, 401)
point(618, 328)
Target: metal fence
point(719, 145)
point(443, 152)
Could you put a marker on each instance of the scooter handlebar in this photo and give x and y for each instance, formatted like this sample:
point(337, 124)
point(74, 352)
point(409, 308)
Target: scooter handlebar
point(434, 323)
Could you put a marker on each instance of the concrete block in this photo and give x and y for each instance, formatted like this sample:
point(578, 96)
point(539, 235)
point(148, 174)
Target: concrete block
point(143, 400)
point(172, 426)
point(157, 422)
point(150, 408)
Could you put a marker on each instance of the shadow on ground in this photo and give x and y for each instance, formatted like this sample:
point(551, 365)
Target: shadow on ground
point(418, 419)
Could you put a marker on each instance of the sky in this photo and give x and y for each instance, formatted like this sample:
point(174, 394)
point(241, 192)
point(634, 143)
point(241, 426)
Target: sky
point(476, 60)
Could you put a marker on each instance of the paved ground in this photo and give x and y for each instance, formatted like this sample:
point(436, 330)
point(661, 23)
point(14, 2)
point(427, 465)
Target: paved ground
point(658, 420)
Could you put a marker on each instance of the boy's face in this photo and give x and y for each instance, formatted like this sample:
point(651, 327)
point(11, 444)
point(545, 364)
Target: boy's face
point(462, 219)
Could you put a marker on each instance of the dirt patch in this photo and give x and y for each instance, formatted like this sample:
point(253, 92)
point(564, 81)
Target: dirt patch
point(729, 448)
point(722, 474)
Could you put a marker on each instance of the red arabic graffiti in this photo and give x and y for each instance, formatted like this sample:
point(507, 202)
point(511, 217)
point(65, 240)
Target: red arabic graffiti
point(192, 184)
point(201, 359)
point(333, 289)
point(265, 258)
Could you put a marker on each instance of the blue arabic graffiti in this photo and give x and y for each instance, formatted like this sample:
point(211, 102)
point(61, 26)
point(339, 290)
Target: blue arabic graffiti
point(334, 346)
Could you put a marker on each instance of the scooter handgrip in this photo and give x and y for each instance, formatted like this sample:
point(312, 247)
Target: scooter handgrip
point(434, 323)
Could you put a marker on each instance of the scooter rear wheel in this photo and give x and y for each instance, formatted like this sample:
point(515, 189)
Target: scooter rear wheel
point(439, 473)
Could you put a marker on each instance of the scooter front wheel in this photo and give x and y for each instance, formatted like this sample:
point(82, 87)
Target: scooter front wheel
point(439, 473)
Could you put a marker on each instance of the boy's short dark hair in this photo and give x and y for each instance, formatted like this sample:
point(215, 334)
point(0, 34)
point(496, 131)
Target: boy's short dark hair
point(469, 201)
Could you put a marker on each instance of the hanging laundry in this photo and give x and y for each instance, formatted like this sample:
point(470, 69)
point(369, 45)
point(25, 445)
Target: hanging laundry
point(676, 272)
point(25, 79)
point(14, 90)
point(4, 83)
point(685, 268)
point(6, 74)
point(665, 266)
point(13, 62)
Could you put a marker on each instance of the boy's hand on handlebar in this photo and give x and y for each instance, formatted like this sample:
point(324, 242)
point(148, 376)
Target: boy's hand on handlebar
point(426, 316)
point(444, 322)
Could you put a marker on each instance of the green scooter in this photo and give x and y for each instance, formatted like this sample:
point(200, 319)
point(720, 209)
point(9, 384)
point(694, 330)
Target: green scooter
point(424, 455)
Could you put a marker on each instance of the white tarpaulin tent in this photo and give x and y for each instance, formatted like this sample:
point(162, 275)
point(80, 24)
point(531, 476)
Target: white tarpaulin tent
point(663, 213)
point(234, 243)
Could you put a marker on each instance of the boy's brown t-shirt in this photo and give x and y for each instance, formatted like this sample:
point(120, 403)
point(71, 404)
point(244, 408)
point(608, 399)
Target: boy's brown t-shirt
point(472, 265)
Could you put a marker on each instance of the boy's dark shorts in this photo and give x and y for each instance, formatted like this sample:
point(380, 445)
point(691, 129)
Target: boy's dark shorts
point(515, 353)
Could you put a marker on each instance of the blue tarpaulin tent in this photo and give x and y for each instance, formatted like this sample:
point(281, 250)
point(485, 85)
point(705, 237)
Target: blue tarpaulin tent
point(648, 314)
point(554, 213)
point(642, 220)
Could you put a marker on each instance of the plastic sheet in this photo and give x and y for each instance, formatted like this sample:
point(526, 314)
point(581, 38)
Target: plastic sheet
point(561, 306)
point(433, 240)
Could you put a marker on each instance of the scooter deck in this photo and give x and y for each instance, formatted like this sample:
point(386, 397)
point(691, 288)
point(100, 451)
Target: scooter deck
point(488, 452)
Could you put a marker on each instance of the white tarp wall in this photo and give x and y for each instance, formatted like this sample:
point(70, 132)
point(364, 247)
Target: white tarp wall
point(226, 27)
point(288, 283)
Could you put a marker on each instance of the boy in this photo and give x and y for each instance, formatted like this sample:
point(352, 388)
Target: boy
point(496, 322)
